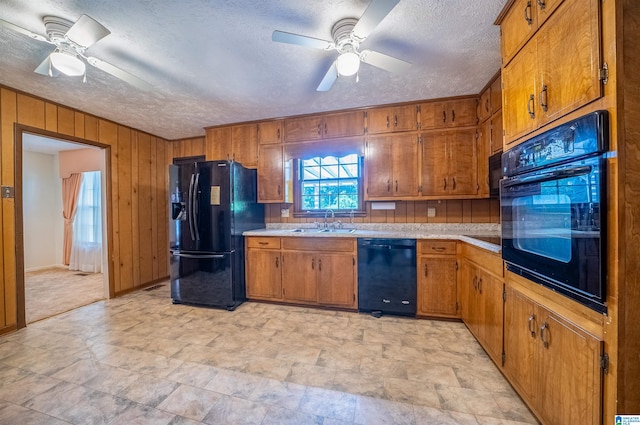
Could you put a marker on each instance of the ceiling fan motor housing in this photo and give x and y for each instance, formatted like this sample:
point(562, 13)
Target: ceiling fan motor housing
point(343, 37)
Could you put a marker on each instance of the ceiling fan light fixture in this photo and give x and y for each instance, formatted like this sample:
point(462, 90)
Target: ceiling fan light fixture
point(67, 63)
point(348, 63)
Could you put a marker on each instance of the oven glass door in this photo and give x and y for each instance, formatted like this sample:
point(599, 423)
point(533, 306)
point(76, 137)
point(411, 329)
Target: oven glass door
point(552, 229)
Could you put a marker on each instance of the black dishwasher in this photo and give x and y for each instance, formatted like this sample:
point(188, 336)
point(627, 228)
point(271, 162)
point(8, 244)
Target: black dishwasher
point(387, 276)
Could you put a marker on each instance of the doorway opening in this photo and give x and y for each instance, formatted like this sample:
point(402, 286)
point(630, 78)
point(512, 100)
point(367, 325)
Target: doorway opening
point(61, 209)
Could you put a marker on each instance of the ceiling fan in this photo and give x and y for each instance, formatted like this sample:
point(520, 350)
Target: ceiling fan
point(347, 36)
point(71, 40)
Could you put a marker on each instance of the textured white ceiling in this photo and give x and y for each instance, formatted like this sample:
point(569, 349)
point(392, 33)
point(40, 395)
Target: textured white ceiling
point(213, 62)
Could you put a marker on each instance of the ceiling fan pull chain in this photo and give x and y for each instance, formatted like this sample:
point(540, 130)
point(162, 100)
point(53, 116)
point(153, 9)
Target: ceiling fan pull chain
point(84, 77)
point(50, 73)
point(357, 77)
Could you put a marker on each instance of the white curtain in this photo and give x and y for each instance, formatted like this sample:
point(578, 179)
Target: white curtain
point(86, 250)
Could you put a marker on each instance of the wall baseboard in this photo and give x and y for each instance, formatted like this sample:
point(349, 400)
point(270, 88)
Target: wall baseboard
point(51, 266)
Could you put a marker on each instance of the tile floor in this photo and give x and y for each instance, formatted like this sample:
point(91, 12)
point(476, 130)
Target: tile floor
point(138, 359)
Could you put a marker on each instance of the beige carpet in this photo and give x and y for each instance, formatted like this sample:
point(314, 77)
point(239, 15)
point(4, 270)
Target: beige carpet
point(55, 290)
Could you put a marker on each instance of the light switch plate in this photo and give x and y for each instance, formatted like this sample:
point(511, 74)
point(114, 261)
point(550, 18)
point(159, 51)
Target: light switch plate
point(284, 212)
point(8, 192)
point(431, 212)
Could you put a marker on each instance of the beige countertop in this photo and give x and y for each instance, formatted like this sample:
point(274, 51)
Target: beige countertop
point(469, 233)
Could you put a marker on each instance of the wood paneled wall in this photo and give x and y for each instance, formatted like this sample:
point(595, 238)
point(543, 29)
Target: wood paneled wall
point(449, 211)
point(137, 168)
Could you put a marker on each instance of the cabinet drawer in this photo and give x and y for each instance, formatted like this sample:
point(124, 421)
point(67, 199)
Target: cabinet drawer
point(263, 242)
point(437, 247)
point(319, 244)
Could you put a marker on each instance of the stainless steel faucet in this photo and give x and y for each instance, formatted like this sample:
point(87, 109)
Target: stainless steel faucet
point(333, 216)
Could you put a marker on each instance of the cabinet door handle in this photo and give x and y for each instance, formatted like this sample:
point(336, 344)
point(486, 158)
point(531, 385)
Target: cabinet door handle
point(319, 128)
point(279, 190)
point(544, 101)
point(387, 121)
point(320, 265)
point(326, 129)
point(542, 4)
point(438, 248)
point(388, 185)
point(532, 325)
point(480, 285)
point(545, 336)
point(278, 134)
point(396, 185)
point(527, 13)
point(454, 183)
point(395, 120)
point(313, 264)
point(444, 116)
point(277, 262)
point(475, 282)
point(425, 270)
point(263, 243)
point(486, 105)
point(531, 104)
point(453, 116)
point(445, 184)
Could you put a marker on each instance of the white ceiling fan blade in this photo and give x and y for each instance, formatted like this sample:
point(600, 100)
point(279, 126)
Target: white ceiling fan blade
point(45, 68)
point(329, 78)
point(87, 31)
point(383, 61)
point(119, 73)
point(372, 16)
point(301, 40)
point(23, 31)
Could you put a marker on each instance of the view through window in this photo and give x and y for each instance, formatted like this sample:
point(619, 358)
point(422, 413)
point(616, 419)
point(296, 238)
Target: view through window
point(330, 183)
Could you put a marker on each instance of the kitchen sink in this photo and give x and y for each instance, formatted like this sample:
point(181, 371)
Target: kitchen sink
point(303, 230)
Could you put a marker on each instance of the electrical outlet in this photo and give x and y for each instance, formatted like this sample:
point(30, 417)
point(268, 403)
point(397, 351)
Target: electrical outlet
point(284, 212)
point(431, 212)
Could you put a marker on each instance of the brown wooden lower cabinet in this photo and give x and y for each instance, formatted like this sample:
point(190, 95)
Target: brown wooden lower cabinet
point(437, 279)
point(310, 271)
point(554, 364)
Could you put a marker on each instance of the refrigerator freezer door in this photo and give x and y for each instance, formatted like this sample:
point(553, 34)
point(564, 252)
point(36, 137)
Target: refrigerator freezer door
point(212, 207)
point(205, 279)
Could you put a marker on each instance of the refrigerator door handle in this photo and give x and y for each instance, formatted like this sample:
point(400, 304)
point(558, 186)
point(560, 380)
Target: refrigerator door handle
point(190, 214)
point(199, 255)
point(195, 206)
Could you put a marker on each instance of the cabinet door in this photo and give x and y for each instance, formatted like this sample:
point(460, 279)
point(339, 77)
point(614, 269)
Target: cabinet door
point(520, 341)
point(271, 182)
point(570, 375)
point(545, 8)
point(269, 132)
point(343, 125)
point(244, 142)
point(336, 280)
point(483, 109)
point(405, 165)
point(496, 133)
point(299, 276)
point(218, 144)
point(466, 289)
point(404, 118)
point(380, 120)
point(484, 150)
point(517, 27)
point(432, 115)
point(379, 167)
point(496, 95)
point(569, 59)
point(437, 286)
point(302, 129)
point(463, 162)
point(435, 155)
point(490, 290)
point(461, 113)
point(519, 94)
point(263, 274)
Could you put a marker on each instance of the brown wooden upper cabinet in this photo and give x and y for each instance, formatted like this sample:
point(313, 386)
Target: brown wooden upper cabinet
point(450, 113)
point(392, 119)
point(328, 126)
point(269, 132)
point(556, 72)
point(233, 143)
point(449, 163)
point(484, 109)
point(274, 175)
point(520, 23)
point(496, 95)
point(391, 167)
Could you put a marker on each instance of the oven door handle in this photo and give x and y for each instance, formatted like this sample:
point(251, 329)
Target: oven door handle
point(547, 176)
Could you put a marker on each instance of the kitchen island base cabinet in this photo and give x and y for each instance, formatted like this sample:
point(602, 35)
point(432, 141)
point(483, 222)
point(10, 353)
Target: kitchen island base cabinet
point(553, 363)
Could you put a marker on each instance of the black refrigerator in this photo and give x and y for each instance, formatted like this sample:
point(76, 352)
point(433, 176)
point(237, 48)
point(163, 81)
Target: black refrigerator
point(212, 203)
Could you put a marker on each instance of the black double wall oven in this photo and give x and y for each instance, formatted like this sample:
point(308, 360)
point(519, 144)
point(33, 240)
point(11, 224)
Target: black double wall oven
point(553, 206)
